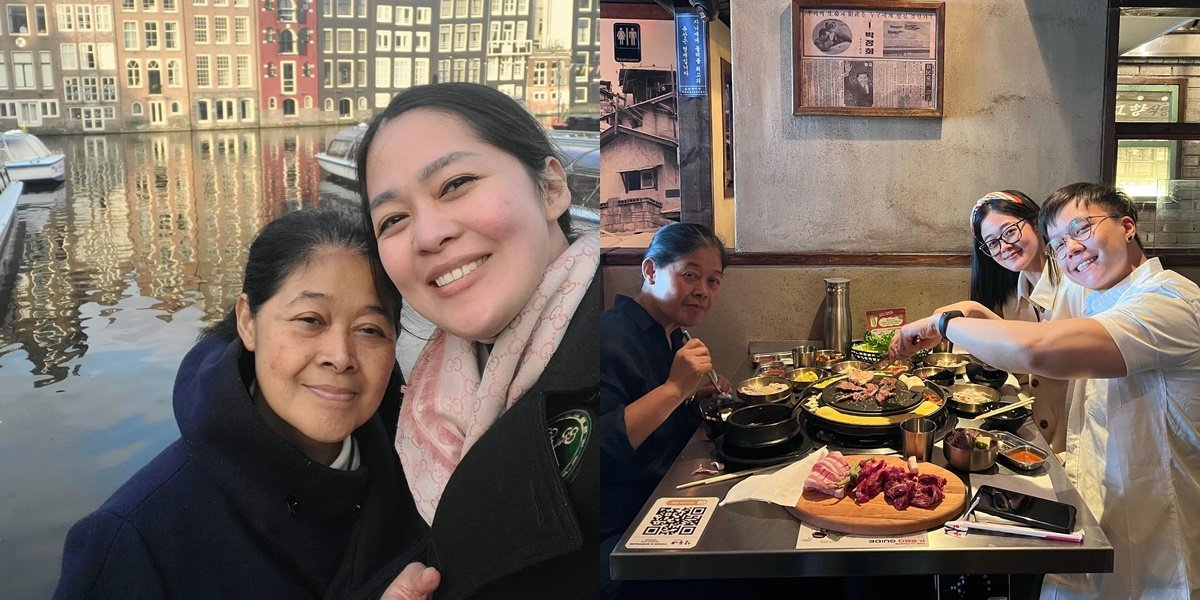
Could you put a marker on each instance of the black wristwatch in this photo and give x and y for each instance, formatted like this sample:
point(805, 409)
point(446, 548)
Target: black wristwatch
point(944, 320)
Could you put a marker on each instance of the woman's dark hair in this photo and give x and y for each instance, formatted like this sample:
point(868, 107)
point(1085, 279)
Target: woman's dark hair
point(992, 284)
point(494, 117)
point(1111, 199)
point(288, 243)
point(675, 240)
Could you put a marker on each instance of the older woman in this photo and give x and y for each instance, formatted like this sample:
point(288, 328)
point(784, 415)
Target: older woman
point(648, 369)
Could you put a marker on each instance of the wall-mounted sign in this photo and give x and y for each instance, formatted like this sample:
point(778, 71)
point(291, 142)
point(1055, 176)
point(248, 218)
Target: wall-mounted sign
point(627, 42)
point(691, 54)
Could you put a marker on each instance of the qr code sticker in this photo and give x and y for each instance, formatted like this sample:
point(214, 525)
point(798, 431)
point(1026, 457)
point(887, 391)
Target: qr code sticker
point(673, 523)
point(676, 521)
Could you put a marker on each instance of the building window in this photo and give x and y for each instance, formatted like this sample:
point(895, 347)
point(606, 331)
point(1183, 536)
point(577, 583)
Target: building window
point(404, 41)
point(175, 108)
point(473, 71)
point(223, 71)
point(18, 19)
point(223, 110)
point(383, 14)
point(344, 8)
point(83, 17)
point(174, 73)
point(289, 107)
point(583, 32)
point(130, 30)
point(243, 71)
point(581, 95)
point(69, 56)
point(42, 27)
point(404, 16)
point(289, 77)
point(150, 5)
point(91, 89)
point(133, 74)
point(287, 11)
point(287, 42)
point(444, 37)
point(383, 41)
point(202, 111)
point(220, 30)
point(128, 5)
point(403, 72)
point(421, 71)
point(344, 107)
point(476, 8)
point(203, 73)
point(71, 89)
point(361, 75)
point(87, 56)
point(47, 70)
point(23, 76)
point(446, 9)
point(476, 36)
point(383, 72)
point(422, 41)
point(3, 73)
point(108, 89)
point(171, 35)
point(241, 30)
point(66, 17)
point(151, 29)
point(345, 41)
point(345, 73)
point(247, 109)
point(200, 33)
point(272, 103)
point(424, 16)
point(170, 6)
point(136, 109)
point(362, 40)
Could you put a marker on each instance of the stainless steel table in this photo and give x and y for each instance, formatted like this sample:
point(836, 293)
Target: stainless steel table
point(756, 539)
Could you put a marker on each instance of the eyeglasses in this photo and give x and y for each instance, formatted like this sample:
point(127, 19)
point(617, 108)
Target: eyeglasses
point(1080, 230)
point(1010, 235)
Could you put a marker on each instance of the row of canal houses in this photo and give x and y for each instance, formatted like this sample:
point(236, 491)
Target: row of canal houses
point(143, 65)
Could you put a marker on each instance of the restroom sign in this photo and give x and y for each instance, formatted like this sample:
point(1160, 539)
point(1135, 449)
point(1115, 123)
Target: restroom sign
point(627, 42)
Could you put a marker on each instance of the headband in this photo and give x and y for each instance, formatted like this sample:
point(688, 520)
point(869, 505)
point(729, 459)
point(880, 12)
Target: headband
point(994, 196)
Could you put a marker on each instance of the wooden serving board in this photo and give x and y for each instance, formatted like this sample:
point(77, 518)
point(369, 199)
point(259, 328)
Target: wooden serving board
point(877, 517)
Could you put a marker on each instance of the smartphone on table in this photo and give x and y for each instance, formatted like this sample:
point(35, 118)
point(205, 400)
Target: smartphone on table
point(1025, 509)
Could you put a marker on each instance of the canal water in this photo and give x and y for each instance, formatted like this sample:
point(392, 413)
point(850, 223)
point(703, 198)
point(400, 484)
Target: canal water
point(105, 283)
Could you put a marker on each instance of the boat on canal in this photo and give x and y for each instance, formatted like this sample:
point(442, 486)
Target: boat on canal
point(340, 157)
point(10, 191)
point(28, 159)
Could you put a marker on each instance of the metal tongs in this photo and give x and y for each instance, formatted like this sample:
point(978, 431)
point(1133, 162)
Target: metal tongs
point(712, 376)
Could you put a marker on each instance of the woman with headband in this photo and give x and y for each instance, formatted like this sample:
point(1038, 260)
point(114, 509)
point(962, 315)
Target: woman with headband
point(1013, 278)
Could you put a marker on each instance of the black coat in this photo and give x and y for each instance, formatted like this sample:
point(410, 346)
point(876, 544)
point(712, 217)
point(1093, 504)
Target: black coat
point(232, 510)
point(510, 524)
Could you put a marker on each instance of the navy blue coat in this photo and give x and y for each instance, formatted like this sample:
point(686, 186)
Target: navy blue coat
point(232, 510)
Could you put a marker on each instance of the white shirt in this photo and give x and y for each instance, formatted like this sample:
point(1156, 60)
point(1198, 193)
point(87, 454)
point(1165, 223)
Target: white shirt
point(1133, 442)
point(1045, 301)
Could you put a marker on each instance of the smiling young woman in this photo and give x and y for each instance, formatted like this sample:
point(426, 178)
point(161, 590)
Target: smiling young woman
point(468, 204)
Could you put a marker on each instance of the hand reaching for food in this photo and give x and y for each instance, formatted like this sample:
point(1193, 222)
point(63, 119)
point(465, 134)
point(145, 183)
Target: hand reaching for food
point(914, 337)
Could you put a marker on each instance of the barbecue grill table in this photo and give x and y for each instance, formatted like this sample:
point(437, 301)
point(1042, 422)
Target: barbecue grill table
point(754, 539)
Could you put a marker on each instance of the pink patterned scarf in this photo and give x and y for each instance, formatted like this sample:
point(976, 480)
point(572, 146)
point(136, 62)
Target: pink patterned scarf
point(450, 404)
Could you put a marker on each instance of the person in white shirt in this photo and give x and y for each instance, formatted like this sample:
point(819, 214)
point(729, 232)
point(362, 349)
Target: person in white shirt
point(1133, 426)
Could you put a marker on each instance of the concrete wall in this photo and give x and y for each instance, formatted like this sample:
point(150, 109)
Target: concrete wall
point(1022, 109)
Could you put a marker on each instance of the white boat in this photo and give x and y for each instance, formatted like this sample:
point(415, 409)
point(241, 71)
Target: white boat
point(340, 157)
point(10, 191)
point(28, 159)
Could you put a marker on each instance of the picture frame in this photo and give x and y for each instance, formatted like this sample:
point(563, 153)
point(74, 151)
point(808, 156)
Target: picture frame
point(872, 58)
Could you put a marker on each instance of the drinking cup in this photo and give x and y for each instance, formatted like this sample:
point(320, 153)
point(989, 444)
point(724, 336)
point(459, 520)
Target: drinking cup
point(803, 356)
point(917, 438)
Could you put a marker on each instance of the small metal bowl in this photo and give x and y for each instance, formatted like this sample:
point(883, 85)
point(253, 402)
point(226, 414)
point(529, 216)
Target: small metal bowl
point(771, 369)
point(937, 375)
point(985, 375)
point(753, 398)
point(847, 365)
point(893, 366)
point(797, 385)
point(971, 458)
point(1023, 458)
point(965, 405)
point(956, 363)
point(826, 358)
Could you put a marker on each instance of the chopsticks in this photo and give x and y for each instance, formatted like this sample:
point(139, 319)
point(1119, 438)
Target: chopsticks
point(725, 477)
point(712, 376)
point(992, 413)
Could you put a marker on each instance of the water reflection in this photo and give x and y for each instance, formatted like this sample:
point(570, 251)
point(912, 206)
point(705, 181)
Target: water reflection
point(104, 284)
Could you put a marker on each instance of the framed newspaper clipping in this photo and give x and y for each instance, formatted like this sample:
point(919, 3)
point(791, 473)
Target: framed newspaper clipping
point(875, 58)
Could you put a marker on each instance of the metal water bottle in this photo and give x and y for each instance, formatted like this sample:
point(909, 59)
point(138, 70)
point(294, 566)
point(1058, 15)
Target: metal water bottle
point(837, 314)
